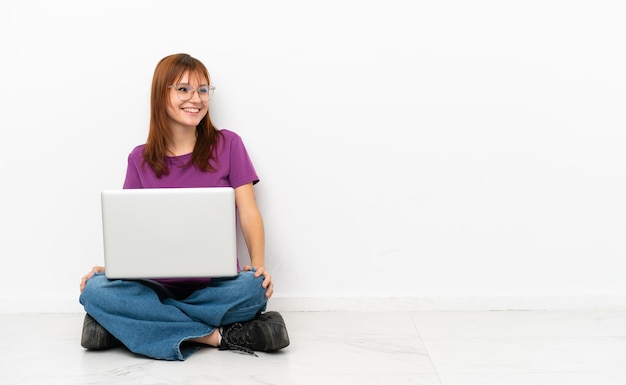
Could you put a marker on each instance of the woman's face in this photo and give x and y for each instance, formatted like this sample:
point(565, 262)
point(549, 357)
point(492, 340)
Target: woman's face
point(187, 113)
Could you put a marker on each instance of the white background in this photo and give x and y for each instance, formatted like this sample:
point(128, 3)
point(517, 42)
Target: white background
point(406, 149)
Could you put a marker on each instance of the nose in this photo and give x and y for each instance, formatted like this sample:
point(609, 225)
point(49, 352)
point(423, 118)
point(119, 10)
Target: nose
point(195, 95)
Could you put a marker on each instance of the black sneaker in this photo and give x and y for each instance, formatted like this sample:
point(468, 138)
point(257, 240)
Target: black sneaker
point(95, 337)
point(265, 333)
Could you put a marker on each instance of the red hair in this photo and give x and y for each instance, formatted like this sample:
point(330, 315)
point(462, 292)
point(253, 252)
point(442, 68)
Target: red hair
point(167, 72)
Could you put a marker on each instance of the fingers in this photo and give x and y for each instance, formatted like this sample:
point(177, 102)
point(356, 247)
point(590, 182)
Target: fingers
point(267, 282)
point(87, 277)
point(267, 278)
point(260, 271)
point(270, 290)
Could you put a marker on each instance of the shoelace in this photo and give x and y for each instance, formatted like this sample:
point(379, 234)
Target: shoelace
point(235, 342)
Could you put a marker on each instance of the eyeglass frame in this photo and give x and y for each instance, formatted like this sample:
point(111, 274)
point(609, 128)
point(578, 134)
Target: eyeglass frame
point(192, 91)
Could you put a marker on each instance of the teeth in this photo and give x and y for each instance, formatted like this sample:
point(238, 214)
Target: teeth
point(195, 110)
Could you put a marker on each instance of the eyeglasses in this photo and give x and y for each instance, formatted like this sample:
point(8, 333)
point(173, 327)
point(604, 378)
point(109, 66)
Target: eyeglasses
point(185, 91)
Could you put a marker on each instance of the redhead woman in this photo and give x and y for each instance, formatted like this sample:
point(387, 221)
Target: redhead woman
point(170, 319)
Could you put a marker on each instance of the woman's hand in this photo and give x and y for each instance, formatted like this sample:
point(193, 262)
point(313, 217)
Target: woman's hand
point(86, 277)
point(267, 278)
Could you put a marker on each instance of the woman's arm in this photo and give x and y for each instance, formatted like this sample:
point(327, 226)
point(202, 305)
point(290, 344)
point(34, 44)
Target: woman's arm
point(253, 231)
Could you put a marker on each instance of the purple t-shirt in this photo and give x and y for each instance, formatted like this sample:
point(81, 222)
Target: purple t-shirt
point(233, 168)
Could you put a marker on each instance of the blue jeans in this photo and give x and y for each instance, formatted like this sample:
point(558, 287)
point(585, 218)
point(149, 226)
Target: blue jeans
point(153, 323)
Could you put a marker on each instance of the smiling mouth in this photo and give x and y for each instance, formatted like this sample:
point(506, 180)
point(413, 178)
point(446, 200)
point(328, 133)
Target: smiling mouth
point(191, 110)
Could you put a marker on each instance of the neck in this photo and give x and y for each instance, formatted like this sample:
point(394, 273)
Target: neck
point(181, 142)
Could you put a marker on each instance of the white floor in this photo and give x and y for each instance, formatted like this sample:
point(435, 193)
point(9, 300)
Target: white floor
point(445, 348)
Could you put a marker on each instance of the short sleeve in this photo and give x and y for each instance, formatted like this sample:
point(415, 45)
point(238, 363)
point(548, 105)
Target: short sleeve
point(242, 170)
point(133, 180)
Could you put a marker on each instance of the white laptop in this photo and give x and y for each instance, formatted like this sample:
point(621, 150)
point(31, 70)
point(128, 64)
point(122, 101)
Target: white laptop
point(169, 233)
